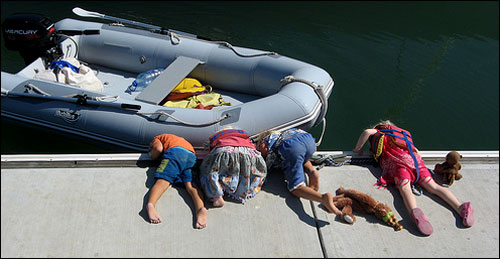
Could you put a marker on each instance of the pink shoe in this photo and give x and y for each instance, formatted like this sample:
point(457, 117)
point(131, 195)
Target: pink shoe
point(467, 214)
point(423, 224)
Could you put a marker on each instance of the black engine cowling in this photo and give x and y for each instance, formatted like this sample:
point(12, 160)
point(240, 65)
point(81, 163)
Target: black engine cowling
point(33, 35)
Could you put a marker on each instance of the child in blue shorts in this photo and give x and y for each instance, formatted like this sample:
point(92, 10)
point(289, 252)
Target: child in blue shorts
point(178, 158)
point(291, 150)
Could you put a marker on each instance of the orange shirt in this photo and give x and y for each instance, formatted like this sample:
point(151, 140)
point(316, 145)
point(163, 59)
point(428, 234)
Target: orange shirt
point(170, 141)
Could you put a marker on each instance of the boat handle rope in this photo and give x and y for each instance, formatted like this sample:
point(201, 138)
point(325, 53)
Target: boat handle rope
point(228, 45)
point(319, 92)
point(223, 43)
point(32, 87)
point(322, 132)
point(59, 33)
point(187, 123)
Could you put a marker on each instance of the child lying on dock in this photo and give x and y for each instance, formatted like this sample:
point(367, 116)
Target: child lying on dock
point(403, 166)
point(292, 150)
point(178, 158)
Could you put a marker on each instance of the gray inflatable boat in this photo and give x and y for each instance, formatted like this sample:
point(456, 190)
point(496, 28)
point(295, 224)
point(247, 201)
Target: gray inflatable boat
point(266, 90)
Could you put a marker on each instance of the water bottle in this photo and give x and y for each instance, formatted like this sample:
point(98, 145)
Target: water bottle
point(144, 79)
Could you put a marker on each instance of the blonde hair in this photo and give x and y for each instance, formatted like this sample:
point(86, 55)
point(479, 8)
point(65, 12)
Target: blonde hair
point(383, 122)
point(263, 135)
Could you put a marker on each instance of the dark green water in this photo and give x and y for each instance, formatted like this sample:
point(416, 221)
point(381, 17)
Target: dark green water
point(430, 67)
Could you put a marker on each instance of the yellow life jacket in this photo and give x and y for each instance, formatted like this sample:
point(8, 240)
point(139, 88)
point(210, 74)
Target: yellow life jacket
point(202, 101)
point(190, 93)
point(186, 88)
point(189, 85)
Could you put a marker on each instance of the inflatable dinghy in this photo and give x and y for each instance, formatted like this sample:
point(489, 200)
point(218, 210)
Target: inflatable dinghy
point(78, 79)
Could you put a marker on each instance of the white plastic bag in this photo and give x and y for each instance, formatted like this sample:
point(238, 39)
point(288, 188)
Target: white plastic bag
point(85, 77)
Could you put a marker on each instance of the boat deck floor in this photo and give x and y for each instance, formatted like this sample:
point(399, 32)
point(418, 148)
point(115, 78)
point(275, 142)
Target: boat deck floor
point(116, 83)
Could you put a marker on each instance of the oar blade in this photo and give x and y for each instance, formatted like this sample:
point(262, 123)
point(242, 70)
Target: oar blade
point(81, 12)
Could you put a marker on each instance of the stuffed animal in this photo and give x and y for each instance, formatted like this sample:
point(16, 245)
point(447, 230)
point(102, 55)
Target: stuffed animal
point(449, 169)
point(353, 200)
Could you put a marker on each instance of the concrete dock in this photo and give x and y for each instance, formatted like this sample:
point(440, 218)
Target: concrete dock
point(93, 206)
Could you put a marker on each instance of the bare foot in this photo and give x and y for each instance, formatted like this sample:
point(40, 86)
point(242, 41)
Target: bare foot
point(327, 201)
point(201, 218)
point(153, 214)
point(219, 202)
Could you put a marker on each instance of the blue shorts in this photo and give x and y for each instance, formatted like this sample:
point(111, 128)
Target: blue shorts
point(296, 151)
point(176, 165)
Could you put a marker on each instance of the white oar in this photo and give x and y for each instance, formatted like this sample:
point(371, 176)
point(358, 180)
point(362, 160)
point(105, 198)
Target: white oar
point(81, 12)
point(84, 13)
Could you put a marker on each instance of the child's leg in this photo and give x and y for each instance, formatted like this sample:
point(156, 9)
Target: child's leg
point(417, 215)
point(199, 207)
point(218, 202)
point(465, 209)
point(444, 193)
point(309, 193)
point(404, 188)
point(155, 193)
point(313, 175)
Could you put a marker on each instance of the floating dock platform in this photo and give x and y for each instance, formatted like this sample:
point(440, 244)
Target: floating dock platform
point(93, 206)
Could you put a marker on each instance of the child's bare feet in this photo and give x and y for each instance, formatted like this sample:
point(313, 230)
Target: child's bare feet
point(327, 201)
point(219, 202)
point(201, 218)
point(153, 214)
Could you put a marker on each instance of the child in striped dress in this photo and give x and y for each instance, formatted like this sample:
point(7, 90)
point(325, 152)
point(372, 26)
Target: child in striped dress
point(233, 167)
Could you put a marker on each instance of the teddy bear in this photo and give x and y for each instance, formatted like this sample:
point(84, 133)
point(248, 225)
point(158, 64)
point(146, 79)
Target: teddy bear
point(449, 169)
point(352, 200)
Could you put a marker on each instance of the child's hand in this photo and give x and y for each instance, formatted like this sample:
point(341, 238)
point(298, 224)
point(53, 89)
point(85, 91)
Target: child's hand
point(262, 148)
point(358, 151)
point(336, 210)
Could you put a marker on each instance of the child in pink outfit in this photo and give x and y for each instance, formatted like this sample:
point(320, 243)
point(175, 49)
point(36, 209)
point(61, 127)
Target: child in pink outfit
point(398, 159)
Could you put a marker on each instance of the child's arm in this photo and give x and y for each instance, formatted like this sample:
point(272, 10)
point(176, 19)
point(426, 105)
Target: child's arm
point(156, 149)
point(362, 140)
point(313, 175)
point(262, 148)
point(417, 151)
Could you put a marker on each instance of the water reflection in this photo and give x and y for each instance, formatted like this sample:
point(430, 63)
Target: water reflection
point(420, 64)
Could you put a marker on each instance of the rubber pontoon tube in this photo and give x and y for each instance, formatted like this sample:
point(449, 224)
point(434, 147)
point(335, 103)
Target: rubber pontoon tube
point(317, 89)
point(322, 98)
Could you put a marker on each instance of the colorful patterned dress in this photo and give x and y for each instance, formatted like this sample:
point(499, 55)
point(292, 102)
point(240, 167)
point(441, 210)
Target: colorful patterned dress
point(237, 171)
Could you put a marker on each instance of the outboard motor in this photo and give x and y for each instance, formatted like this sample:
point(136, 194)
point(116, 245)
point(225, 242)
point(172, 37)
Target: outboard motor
point(33, 35)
